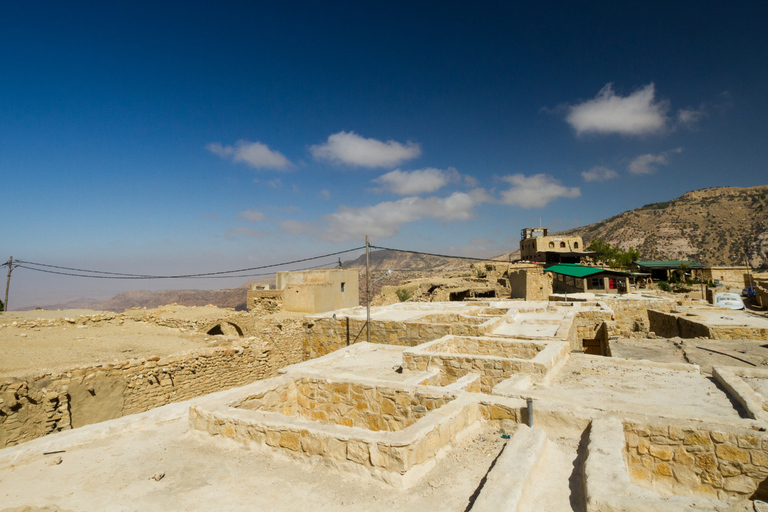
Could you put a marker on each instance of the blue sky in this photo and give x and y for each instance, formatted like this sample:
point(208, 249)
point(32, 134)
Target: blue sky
point(181, 137)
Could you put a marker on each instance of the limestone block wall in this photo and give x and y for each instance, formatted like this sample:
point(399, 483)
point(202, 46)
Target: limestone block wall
point(631, 315)
point(713, 461)
point(530, 283)
point(326, 335)
point(663, 324)
point(687, 325)
point(33, 406)
point(347, 403)
point(585, 326)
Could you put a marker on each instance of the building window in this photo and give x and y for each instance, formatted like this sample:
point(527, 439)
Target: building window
point(575, 245)
point(562, 245)
point(551, 245)
point(597, 283)
point(342, 286)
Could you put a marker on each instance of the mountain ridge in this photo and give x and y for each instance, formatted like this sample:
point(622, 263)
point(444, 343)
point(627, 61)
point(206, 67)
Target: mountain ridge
point(712, 226)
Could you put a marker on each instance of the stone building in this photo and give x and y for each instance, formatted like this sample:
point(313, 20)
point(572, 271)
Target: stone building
point(310, 291)
point(537, 245)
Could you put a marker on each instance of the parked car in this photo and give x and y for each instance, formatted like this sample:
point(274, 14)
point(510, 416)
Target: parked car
point(729, 300)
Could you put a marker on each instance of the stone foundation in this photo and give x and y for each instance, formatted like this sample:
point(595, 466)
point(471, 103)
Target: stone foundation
point(406, 435)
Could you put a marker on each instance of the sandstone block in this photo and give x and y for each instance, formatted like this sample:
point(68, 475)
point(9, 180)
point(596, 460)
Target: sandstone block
point(661, 452)
point(719, 437)
point(748, 441)
point(739, 484)
point(697, 438)
point(706, 461)
point(731, 453)
point(663, 469)
point(711, 478)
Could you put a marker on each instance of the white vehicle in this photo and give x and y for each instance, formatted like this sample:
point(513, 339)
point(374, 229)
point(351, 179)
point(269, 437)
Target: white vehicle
point(729, 300)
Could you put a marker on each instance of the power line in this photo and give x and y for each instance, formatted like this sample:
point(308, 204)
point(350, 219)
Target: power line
point(121, 275)
point(433, 254)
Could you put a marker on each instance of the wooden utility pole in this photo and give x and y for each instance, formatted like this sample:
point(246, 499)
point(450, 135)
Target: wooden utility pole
point(367, 292)
point(8, 283)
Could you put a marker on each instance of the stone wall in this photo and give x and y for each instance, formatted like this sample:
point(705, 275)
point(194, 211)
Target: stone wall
point(697, 459)
point(326, 335)
point(33, 406)
point(347, 403)
point(586, 326)
point(631, 315)
point(530, 283)
point(690, 325)
point(500, 347)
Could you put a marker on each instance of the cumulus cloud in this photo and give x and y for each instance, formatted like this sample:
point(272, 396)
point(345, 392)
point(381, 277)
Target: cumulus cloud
point(535, 191)
point(254, 154)
point(386, 218)
point(650, 163)
point(408, 183)
point(636, 114)
point(599, 174)
point(252, 215)
point(349, 148)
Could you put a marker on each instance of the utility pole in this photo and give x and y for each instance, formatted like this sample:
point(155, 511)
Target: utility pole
point(8, 283)
point(367, 292)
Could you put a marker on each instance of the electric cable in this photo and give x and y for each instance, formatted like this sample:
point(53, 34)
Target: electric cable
point(120, 275)
point(433, 254)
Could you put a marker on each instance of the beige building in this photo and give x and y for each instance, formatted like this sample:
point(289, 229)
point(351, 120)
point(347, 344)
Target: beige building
point(318, 291)
point(530, 282)
point(732, 277)
point(535, 243)
point(310, 291)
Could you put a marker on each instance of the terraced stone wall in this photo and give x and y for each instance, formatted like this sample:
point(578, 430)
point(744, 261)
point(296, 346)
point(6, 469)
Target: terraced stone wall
point(698, 459)
point(36, 405)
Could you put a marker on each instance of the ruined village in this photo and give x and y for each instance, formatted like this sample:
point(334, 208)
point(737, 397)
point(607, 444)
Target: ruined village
point(549, 383)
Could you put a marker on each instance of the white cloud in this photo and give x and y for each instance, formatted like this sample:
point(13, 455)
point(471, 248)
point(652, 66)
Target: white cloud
point(635, 114)
point(649, 163)
point(255, 154)
point(326, 194)
point(599, 174)
point(535, 191)
point(407, 183)
point(253, 215)
point(690, 116)
point(350, 148)
point(386, 218)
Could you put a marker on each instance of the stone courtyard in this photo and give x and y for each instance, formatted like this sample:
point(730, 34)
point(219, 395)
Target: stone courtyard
point(478, 405)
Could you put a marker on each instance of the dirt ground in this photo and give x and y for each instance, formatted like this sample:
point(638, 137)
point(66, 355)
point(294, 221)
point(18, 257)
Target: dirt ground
point(705, 353)
point(27, 351)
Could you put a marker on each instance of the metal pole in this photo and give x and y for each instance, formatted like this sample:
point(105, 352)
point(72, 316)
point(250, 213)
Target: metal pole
point(529, 403)
point(8, 283)
point(367, 293)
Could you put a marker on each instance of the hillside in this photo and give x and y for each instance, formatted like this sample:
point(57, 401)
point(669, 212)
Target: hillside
point(715, 226)
point(226, 298)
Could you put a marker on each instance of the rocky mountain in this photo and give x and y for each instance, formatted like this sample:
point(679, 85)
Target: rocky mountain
point(406, 265)
point(714, 226)
point(227, 298)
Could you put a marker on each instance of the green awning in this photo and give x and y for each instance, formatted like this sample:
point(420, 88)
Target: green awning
point(670, 265)
point(574, 270)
